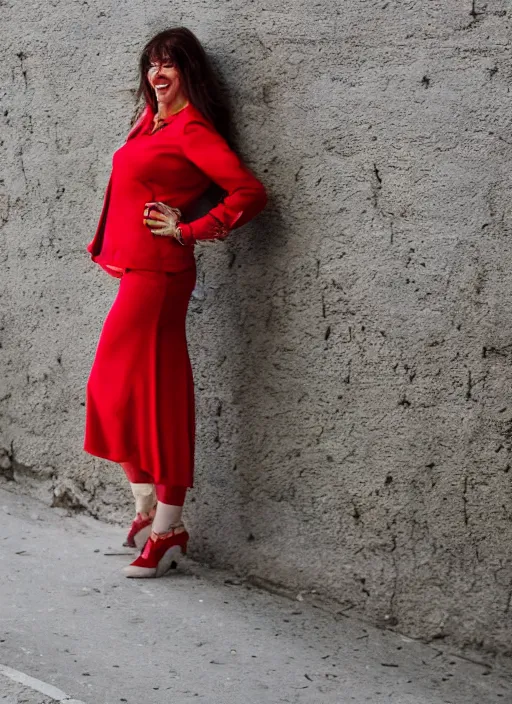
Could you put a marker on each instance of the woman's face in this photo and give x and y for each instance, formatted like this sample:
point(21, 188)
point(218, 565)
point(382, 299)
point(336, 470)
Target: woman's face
point(164, 78)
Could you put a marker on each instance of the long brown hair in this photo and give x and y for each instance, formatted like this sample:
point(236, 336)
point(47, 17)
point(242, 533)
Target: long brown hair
point(200, 84)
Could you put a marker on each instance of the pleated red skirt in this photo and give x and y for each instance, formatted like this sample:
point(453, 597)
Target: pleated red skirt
point(140, 393)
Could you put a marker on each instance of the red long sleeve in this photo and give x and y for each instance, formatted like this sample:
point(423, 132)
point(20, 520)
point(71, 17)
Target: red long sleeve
point(174, 165)
point(246, 196)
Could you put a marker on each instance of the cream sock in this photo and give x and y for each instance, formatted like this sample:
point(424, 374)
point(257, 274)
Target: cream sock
point(145, 498)
point(166, 517)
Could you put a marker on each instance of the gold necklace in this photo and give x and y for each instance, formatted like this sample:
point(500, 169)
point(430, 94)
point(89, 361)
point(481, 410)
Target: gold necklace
point(160, 122)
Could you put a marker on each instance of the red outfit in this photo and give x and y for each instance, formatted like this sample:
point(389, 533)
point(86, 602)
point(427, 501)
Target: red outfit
point(140, 393)
point(167, 494)
point(175, 165)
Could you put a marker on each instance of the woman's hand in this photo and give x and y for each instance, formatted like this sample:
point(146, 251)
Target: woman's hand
point(162, 219)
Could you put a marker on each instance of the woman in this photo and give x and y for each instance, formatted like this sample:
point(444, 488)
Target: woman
point(140, 393)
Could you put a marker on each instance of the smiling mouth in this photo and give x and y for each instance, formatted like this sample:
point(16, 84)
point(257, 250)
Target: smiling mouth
point(162, 86)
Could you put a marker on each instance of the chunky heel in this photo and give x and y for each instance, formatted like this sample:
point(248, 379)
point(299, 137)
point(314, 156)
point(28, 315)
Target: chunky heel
point(161, 553)
point(170, 558)
point(141, 537)
point(140, 531)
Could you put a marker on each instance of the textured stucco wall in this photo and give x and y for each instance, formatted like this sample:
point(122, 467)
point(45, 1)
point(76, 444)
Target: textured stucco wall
point(351, 348)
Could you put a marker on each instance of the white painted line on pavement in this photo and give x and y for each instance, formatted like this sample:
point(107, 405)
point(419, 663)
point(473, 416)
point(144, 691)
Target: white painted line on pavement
point(47, 689)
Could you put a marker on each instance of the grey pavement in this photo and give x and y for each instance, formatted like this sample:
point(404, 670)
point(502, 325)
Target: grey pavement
point(76, 626)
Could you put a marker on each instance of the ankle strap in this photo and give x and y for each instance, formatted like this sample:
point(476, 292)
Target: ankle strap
point(168, 533)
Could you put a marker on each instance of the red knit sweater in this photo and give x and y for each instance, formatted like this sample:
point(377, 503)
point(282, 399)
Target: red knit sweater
point(175, 165)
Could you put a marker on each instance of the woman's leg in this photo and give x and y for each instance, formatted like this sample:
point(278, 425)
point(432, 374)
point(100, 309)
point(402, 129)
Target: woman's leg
point(169, 508)
point(142, 487)
point(175, 409)
point(169, 500)
point(168, 539)
point(143, 490)
point(166, 448)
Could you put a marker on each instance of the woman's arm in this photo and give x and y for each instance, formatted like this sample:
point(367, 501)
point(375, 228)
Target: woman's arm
point(246, 196)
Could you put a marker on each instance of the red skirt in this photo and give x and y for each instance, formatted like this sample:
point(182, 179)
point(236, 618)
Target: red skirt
point(140, 392)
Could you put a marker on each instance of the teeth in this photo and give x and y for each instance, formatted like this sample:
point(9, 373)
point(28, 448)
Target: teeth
point(164, 85)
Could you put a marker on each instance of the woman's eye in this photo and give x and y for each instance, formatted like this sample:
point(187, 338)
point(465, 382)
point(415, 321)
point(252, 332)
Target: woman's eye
point(156, 66)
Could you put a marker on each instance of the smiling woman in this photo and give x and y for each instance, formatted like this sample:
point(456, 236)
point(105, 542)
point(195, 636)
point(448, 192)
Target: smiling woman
point(181, 59)
point(164, 78)
point(140, 394)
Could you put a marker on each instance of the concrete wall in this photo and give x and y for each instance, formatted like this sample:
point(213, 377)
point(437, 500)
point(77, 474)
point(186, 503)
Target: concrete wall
point(351, 348)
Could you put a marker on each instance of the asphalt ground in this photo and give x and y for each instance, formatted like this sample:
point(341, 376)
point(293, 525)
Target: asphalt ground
point(74, 629)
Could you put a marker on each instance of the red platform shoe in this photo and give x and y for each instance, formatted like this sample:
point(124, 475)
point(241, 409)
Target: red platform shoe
point(139, 531)
point(161, 552)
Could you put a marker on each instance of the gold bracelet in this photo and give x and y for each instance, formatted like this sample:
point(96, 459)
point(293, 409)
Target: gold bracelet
point(179, 235)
